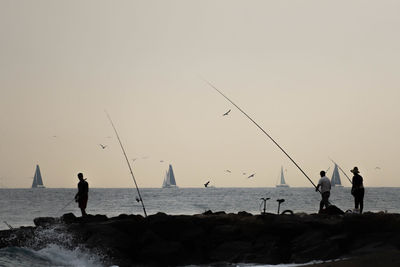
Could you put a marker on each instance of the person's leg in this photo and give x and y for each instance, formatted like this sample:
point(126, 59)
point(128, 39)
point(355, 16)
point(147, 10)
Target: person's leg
point(356, 202)
point(361, 201)
point(82, 206)
point(83, 211)
point(321, 204)
point(326, 199)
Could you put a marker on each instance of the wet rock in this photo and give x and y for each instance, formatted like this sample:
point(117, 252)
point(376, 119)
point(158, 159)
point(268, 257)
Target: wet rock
point(68, 218)
point(161, 239)
point(45, 221)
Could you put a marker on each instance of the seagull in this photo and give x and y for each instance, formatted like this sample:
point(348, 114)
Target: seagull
point(251, 175)
point(228, 171)
point(206, 184)
point(103, 146)
point(226, 113)
point(377, 168)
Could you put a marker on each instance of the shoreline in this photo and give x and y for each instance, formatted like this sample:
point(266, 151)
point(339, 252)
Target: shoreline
point(210, 238)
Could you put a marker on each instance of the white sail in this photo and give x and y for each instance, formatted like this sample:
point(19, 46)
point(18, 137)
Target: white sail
point(335, 180)
point(37, 179)
point(169, 180)
point(282, 183)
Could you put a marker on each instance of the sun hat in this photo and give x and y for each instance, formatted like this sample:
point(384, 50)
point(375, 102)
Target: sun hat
point(355, 170)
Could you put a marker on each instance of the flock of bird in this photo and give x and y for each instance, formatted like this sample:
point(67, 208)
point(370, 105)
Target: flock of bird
point(208, 182)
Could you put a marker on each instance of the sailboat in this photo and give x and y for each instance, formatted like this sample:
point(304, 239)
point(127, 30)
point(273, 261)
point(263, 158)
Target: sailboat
point(282, 183)
point(335, 180)
point(169, 179)
point(37, 179)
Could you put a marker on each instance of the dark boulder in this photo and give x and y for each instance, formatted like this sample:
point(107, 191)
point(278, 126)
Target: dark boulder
point(45, 221)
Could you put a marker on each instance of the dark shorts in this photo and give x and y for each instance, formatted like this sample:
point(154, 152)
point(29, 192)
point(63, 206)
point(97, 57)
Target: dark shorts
point(82, 201)
point(359, 193)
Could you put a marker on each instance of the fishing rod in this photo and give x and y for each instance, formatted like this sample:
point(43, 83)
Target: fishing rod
point(259, 127)
point(342, 171)
point(9, 226)
point(66, 206)
point(127, 161)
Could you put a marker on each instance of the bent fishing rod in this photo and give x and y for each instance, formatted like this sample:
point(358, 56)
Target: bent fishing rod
point(127, 161)
point(65, 206)
point(342, 171)
point(259, 127)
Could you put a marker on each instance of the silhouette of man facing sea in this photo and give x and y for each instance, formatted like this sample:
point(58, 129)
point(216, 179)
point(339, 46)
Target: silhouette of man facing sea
point(357, 190)
point(83, 192)
point(325, 185)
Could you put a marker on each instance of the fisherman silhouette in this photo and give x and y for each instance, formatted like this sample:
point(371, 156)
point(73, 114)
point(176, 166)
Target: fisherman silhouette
point(206, 184)
point(357, 190)
point(82, 196)
point(325, 186)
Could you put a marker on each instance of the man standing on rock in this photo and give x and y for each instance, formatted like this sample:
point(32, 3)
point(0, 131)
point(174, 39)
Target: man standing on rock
point(357, 190)
point(325, 185)
point(82, 196)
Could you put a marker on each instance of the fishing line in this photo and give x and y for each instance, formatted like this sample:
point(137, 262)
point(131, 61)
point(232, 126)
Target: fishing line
point(65, 206)
point(259, 127)
point(127, 161)
point(342, 171)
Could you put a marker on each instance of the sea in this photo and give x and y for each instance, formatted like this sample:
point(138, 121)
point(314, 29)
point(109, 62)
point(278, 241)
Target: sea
point(18, 207)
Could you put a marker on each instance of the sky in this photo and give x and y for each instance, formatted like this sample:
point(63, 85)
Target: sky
point(321, 77)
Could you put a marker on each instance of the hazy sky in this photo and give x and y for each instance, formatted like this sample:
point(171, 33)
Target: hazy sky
point(322, 77)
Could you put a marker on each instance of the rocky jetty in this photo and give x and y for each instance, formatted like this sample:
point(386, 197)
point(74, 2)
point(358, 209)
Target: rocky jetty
point(161, 239)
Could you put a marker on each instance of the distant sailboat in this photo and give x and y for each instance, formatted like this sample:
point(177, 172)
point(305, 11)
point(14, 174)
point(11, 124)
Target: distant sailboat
point(37, 179)
point(282, 183)
point(169, 179)
point(335, 180)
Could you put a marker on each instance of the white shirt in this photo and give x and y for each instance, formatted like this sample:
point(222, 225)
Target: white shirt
point(325, 184)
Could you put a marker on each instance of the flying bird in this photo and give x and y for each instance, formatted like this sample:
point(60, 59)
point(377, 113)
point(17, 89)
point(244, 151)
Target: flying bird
point(244, 173)
point(251, 175)
point(228, 171)
point(161, 161)
point(103, 146)
point(226, 113)
point(377, 168)
point(206, 184)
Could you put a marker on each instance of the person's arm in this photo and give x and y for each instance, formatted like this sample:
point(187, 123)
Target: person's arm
point(316, 189)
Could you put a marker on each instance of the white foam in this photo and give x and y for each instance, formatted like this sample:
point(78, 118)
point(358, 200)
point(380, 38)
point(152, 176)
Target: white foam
point(61, 256)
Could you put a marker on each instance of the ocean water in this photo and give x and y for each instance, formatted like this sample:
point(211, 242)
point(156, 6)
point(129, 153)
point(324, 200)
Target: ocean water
point(18, 207)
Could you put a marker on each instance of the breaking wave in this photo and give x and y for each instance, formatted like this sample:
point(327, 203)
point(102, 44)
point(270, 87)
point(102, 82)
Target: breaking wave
point(51, 255)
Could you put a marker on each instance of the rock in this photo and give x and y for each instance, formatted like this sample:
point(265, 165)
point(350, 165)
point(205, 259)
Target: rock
point(161, 239)
point(244, 213)
point(332, 210)
point(45, 221)
point(68, 218)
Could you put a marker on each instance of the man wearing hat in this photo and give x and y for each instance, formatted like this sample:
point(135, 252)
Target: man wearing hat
point(357, 190)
